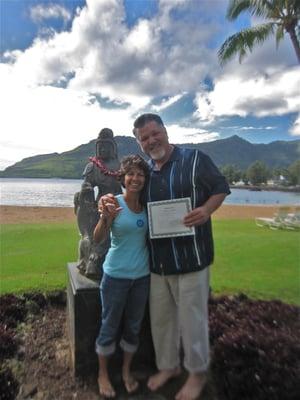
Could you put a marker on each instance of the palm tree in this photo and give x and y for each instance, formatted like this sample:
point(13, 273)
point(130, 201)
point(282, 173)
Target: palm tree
point(281, 16)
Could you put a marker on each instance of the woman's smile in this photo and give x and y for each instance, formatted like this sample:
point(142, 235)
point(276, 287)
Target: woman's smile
point(134, 180)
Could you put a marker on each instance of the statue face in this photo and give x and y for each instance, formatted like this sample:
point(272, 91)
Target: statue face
point(104, 150)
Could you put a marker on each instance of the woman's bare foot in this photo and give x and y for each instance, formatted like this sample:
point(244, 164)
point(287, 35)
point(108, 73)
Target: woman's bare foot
point(192, 388)
point(105, 387)
point(159, 379)
point(130, 383)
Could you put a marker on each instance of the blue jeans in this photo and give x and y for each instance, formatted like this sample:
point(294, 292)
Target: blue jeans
point(118, 297)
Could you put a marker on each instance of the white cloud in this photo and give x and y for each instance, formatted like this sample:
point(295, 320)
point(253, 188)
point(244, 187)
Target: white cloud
point(40, 12)
point(250, 128)
point(265, 84)
point(167, 102)
point(163, 54)
point(295, 130)
point(140, 38)
point(98, 55)
point(180, 134)
point(45, 119)
point(259, 95)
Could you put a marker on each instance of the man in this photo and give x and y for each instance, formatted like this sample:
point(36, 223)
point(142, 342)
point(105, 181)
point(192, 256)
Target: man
point(180, 266)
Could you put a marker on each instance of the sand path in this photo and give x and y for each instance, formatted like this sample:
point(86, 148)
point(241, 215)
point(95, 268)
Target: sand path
point(15, 215)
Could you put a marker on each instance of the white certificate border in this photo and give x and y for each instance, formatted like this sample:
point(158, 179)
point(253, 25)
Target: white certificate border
point(189, 231)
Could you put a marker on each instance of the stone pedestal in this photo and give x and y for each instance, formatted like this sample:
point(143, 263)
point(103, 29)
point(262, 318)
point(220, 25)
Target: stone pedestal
point(84, 318)
point(84, 310)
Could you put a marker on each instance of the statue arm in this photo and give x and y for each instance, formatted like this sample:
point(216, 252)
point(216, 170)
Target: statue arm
point(88, 174)
point(76, 202)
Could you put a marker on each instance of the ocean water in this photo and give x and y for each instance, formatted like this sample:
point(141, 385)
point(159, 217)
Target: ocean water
point(38, 192)
point(60, 193)
point(249, 197)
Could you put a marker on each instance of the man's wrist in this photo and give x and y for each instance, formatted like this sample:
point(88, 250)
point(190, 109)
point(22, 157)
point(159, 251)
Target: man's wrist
point(207, 210)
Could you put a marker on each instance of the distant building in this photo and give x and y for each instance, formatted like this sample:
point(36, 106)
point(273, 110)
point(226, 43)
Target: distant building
point(271, 182)
point(239, 183)
point(278, 181)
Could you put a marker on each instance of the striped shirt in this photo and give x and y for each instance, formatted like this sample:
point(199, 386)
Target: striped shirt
point(188, 173)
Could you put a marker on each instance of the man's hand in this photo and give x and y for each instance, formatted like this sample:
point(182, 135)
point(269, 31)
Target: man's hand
point(198, 216)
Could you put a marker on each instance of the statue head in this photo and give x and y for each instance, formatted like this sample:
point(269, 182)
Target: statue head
point(106, 147)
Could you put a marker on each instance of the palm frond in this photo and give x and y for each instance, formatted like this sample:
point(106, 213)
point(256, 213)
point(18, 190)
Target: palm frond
point(242, 54)
point(244, 41)
point(259, 8)
point(279, 34)
point(236, 7)
point(282, 14)
point(292, 7)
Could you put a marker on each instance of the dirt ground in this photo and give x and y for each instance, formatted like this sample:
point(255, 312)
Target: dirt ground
point(238, 326)
point(46, 373)
point(17, 215)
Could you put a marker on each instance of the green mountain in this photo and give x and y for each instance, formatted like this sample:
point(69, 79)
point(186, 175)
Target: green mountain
point(233, 150)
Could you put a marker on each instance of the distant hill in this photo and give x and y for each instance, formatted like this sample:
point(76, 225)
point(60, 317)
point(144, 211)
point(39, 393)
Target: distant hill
point(233, 150)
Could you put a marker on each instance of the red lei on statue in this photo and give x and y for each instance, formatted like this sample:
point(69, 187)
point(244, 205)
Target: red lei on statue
point(103, 168)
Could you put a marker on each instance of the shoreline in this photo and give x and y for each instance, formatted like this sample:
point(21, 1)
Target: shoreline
point(289, 189)
point(36, 214)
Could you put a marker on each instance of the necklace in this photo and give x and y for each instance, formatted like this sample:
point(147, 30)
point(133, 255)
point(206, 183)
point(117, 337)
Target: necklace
point(103, 168)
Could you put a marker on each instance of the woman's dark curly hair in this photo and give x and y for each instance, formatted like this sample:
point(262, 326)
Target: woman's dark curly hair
point(135, 161)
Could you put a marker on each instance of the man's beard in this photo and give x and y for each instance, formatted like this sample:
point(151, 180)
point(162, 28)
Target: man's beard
point(157, 154)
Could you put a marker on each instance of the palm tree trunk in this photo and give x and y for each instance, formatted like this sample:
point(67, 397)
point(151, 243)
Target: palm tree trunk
point(291, 31)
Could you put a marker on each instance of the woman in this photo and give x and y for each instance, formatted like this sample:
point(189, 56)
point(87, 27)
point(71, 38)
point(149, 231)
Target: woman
point(125, 284)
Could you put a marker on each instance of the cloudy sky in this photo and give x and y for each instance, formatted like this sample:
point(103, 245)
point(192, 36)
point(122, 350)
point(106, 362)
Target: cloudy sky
point(68, 68)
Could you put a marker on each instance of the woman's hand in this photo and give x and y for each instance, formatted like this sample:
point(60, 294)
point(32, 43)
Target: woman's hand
point(108, 206)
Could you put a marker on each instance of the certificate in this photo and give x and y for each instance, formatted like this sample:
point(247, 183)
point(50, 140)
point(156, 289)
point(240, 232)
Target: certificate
point(166, 218)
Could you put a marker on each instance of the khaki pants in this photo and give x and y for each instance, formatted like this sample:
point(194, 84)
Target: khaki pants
point(179, 312)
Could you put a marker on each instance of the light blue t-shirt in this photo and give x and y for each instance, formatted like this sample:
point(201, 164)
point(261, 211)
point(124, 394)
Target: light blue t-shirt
point(128, 254)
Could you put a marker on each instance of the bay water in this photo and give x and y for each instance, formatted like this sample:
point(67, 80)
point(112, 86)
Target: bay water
point(60, 193)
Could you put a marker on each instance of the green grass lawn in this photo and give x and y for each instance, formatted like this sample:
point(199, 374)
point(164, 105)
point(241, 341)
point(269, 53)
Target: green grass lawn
point(257, 261)
point(260, 262)
point(34, 256)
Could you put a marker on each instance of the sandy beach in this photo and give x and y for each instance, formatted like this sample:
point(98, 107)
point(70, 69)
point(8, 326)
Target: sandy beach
point(17, 215)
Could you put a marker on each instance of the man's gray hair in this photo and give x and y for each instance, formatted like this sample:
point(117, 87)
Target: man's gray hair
point(143, 119)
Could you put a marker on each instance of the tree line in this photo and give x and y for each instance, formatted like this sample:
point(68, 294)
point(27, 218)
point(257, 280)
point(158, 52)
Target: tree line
point(259, 173)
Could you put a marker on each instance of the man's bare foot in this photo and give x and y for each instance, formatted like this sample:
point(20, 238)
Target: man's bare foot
point(130, 383)
point(192, 388)
point(105, 387)
point(159, 379)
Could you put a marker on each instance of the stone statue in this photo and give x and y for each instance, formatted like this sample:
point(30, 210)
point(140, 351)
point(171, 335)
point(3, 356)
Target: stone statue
point(101, 172)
